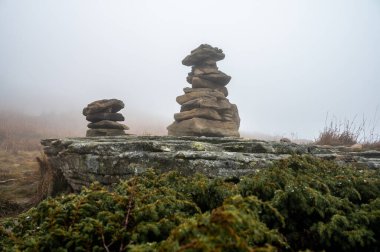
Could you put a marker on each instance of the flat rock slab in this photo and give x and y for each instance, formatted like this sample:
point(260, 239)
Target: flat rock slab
point(109, 159)
point(105, 124)
point(223, 90)
point(105, 116)
point(206, 113)
point(203, 92)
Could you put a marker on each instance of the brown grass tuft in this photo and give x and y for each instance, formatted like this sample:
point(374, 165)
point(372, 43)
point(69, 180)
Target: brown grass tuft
point(335, 133)
point(348, 133)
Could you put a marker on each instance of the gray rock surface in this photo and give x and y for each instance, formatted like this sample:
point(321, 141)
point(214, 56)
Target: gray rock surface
point(109, 159)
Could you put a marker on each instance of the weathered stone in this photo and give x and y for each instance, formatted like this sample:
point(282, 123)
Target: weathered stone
point(200, 70)
point(285, 140)
point(223, 90)
point(106, 105)
point(198, 112)
point(104, 132)
point(202, 53)
point(107, 125)
point(219, 89)
point(203, 127)
point(231, 114)
point(105, 116)
point(197, 82)
point(235, 114)
point(218, 78)
point(206, 102)
point(109, 159)
point(199, 94)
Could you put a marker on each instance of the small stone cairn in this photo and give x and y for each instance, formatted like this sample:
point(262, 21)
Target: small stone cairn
point(205, 110)
point(104, 118)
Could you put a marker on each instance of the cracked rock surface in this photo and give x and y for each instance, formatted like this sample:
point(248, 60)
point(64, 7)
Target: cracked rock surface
point(109, 159)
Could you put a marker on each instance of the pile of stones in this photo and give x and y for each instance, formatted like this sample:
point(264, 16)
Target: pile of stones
point(104, 118)
point(205, 110)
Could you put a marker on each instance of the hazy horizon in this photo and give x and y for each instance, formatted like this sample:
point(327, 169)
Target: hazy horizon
point(292, 62)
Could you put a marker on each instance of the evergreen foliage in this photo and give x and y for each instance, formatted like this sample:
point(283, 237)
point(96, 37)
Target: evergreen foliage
point(301, 203)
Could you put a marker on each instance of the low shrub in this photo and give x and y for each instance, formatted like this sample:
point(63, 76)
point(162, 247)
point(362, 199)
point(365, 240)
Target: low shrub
point(301, 203)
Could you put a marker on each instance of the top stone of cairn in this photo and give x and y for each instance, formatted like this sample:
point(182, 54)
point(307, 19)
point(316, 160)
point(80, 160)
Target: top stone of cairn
point(203, 53)
point(103, 106)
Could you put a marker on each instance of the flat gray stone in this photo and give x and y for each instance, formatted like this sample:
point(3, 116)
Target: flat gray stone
point(105, 124)
point(105, 116)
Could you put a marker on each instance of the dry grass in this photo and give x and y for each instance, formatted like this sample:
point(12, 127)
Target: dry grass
point(339, 134)
point(347, 133)
point(372, 145)
point(20, 132)
point(26, 178)
point(19, 177)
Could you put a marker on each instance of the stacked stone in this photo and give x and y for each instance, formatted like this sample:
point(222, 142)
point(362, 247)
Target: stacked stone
point(104, 118)
point(205, 110)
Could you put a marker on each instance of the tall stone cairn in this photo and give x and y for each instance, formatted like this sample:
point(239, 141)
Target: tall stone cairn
point(104, 118)
point(205, 110)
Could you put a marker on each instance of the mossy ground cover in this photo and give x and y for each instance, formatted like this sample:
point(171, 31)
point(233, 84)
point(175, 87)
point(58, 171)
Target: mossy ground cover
point(298, 204)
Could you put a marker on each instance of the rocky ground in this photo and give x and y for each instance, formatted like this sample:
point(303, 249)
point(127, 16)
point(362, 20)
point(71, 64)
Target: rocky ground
point(109, 159)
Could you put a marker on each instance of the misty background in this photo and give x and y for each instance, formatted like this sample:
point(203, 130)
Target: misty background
point(292, 62)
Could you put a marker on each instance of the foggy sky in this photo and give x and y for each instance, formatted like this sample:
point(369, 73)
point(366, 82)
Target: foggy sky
point(291, 61)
